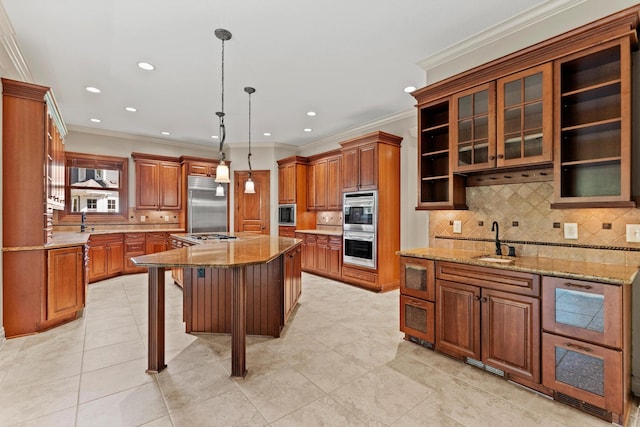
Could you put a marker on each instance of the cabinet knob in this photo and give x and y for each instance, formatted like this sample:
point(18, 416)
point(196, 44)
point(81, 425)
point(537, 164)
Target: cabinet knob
point(501, 156)
point(477, 298)
point(492, 157)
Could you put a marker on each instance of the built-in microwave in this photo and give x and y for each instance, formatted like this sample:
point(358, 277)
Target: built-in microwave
point(287, 215)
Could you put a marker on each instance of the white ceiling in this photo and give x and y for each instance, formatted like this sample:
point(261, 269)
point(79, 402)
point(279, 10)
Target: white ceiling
point(348, 60)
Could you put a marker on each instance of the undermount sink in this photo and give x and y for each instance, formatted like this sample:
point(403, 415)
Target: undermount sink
point(495, 258)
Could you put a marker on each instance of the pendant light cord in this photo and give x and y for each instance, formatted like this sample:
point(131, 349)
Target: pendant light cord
point(249, 155)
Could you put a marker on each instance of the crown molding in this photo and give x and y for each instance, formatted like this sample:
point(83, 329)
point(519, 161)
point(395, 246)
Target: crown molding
point(502, 30)
point(11, 60)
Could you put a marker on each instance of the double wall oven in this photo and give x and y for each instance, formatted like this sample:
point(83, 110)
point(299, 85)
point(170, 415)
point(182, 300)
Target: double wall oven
point(360, 220)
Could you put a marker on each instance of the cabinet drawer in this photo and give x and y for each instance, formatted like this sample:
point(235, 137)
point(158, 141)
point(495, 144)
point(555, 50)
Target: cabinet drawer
point(134, 237)
point(491, 278)
point(156, 236)
point(364, 276)
point(588, 311)
point(583, 373)
point(105, 238)
point(417, 278)
point(137, 247)
point(417, 318)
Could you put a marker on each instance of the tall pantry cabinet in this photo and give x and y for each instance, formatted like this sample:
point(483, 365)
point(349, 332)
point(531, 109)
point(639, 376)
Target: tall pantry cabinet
point(43, 280)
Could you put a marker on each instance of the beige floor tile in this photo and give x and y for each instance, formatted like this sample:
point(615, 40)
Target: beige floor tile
point(297, 347)
point(113, 354)
point(425, 415)
point(112, 336)
point(260, 361)
point(160, 422)
point(335, 335)
point(97, 324)
point(369, 353)
point(280, 392)
point(330, 370)
point(20, 404)
point(381, 397)
point(64, 418)
point(113, 379)
point(323, 412)
point(228, 408)
point(420, 372)
point(192, 386)
point(131, 407)
point(26, 371)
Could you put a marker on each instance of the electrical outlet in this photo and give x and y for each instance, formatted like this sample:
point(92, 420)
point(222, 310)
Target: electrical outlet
point(570, 230)
point(457, 226)
point(143, 218)
point(633, 233)
point(166, 218)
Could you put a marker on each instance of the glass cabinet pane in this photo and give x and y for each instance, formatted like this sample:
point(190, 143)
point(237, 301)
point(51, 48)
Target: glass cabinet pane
point(533, 87)
point(481, 151)
point(533, 143)
point(481, 102)
point(464, 154)
point(533, 116)
point(481, 127)
point(464, 106)
point(580, 370)
point(464, 130)
point(512, 93)
point(512, 121)
point(581, 309)
point(512, 147)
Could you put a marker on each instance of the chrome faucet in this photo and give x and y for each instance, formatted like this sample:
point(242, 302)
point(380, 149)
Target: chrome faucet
point(83, 219)
point(494, 227)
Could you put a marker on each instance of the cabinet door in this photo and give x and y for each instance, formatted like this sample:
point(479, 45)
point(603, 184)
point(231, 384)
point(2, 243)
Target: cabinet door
point(473, 132)
point(309, 252)
point(350, 167)
point(170, 186)
point(334, 184)
point(147, 175)
point(65, 284)
point(287, 184)
point(525, 117)
point(115, 257)
point(417, 278)
point(458, 319)
point(417, 318)
point(320, 188)
point(334, 256)
point(368, 167)
point(97, 262)
point(322, 253)
point(156, 242)
point(511, 333)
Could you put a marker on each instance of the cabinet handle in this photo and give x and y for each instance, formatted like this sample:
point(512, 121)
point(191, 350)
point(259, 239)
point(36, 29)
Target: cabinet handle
point(575, 285)
point(578, 347)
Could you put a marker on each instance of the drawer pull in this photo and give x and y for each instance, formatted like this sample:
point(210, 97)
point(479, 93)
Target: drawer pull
point(575, 285)
point(578, 347)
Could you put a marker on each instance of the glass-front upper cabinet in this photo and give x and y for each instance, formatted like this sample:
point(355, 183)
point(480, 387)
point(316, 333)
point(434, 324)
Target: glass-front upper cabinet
point(525, 117)
point(473, 132)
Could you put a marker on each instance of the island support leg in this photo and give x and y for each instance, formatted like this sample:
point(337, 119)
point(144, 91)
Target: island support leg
point(156, 320)
point(238, 322)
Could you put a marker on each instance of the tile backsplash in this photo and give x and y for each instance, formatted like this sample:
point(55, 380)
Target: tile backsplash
point(524, 214)
point(329, 220)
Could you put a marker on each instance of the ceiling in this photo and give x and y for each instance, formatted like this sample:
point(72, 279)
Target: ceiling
point(346, 60)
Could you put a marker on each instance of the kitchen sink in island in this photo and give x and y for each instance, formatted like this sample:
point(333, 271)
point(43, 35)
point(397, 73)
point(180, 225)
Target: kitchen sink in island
point(240, 286)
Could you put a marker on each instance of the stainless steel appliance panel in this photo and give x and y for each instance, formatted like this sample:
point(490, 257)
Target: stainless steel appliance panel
point(360, 211)
point(205, 211)
point(287, 215)
point(359, 248)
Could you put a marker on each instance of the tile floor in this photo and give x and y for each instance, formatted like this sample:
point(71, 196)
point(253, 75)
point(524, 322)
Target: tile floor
point(340, 361)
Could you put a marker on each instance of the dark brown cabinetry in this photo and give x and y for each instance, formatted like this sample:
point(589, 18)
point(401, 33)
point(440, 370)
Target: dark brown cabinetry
point(324, 182)
point(158, 182)
point(134, 245)
point(292, 281)
point(321, 254)
point(308, 251)
point(156, 242)
point(360, 171)
point(585, 346)
point(292, 189)
point(593, 116)
point(491, 317)
point(286, 231)
point(106, 256)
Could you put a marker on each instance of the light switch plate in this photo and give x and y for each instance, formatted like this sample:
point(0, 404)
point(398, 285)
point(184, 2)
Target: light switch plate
point(457, 226)
point(166, 218)
point(633, 233)
point(570, 230)
point(143, 218)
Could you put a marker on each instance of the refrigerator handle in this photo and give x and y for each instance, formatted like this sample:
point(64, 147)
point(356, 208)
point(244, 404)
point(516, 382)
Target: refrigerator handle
point(190, 212)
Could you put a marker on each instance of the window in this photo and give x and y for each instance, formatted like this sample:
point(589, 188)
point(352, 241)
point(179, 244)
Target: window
point(97, 185)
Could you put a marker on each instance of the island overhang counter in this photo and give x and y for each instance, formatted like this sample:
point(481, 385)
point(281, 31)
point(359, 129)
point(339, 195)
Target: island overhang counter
point(238, 254)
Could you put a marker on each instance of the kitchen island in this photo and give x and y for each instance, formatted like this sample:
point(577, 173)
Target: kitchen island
point(229, 261)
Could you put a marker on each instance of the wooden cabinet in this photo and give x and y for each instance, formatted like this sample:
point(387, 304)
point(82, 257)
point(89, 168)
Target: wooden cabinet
point(292, 189)
point(491, 317)
point(308, 251)
point(286, 231)
point(586, 345)
point(360, 166)
point(322, 254)
point(417, 297)
point(65, 282)
point(158, 182)
point(593, 131)
point(292, 281)
point(32, 164)
point(156, 242)
point(198, 168)
point(134, 245)
point(324, 182)
point(106, 256)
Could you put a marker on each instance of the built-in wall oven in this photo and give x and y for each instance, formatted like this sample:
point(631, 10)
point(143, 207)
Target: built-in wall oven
point(359, 223)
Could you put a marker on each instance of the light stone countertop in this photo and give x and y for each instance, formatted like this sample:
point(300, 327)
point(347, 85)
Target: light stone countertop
point(615, 274)
point(248, 249)
point(321, 232)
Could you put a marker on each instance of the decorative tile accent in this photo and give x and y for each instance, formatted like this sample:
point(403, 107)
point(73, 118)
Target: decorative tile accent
point(529, 205)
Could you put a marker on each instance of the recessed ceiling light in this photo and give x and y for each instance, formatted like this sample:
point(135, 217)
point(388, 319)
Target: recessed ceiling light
point(214, 136)
point(92, 89)
point(409, 89)
point(267, 134)
point(307, 129)
point(311, 113)
point(96, 120)
point(166, 133)
point(131, 109)
point(146, 66)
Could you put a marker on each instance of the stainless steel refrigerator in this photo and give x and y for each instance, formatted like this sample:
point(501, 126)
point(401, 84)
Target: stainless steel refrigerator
point(205, 211)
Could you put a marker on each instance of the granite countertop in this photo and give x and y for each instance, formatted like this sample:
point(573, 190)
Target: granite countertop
point(321, 232)
point(616, 274)
point(137, 230)
point(248, 249)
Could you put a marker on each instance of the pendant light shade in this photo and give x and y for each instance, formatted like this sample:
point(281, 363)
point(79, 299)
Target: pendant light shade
point(249, 187)
point(222, 173)
point(219, 191)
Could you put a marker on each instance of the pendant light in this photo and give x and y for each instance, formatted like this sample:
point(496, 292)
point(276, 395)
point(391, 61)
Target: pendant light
point(249, 187)
point(222, 171)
